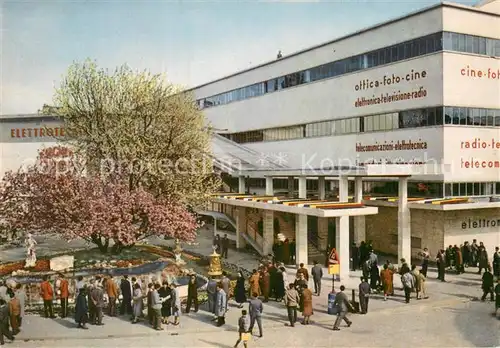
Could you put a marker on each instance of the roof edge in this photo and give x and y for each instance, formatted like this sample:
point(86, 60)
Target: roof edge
point(358, 32)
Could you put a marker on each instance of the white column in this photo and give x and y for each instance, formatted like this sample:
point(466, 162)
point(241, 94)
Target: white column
point(321, 187)
point(215, 227)
point(242, 185)
point(241, 226)
point(359, 221)
point(404, 227)
point(302, 187)
point(343, 189)
point(342, 232)
point(268, 232)
point(269, 186)
point(291, 186)
point(301, 239)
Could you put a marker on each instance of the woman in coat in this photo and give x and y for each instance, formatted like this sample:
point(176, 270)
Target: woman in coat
point(239, 291)
point(386, 277)
point(280, 284)
point(81, 309)
point(176, 303)
point(307, 302)
point(374, 276)
point(137, 301)
point(254, 283)
point(166, 307)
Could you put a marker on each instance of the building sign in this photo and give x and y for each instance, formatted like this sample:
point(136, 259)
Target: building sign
point(39, 132)
point(480, 223)
point(401, 94)
point(477, 73)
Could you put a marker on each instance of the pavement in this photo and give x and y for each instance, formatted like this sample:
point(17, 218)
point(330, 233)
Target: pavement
point(452, 317)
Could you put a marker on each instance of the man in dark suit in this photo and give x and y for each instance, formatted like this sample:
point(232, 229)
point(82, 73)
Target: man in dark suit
point(255, 308)
point(343, 305)
point(317, 274)
point(364, 295)
point(126, 290)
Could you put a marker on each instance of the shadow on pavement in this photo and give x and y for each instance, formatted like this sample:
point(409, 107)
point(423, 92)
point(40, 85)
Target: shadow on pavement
point(217, 344)
point(66, 323)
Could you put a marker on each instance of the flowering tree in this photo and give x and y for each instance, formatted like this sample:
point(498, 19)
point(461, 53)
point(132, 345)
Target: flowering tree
point(55, 195)
point(140, 126)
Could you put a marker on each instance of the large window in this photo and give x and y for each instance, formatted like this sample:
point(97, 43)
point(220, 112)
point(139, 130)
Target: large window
point(395, 53)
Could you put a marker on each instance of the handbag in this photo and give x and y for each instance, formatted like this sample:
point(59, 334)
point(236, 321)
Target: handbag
point(245, 336)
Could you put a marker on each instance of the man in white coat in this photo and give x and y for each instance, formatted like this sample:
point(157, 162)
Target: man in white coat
point(221, 305)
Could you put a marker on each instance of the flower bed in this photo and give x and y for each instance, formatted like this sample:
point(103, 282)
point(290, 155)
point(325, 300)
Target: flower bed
point(127, 263)
point(8, 268)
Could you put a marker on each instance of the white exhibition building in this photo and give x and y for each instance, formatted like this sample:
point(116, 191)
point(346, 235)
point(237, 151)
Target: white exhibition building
point(400, 120)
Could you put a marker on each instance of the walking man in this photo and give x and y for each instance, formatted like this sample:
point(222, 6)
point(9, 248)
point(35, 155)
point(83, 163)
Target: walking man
point(317, 274)
point(255, 308)
point(292, 301)
point(364, 295)
point(242, 329)
point(343, 305)
point(487, 285)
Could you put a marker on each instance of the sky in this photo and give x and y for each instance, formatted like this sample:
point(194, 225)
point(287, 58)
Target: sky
point(192, 42)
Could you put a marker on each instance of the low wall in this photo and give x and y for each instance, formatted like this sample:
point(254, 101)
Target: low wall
point(435, 229)
point(427, 230)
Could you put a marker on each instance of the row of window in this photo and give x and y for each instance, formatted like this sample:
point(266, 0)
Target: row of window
point(432, 189)
point(472, 189)
point(396, 120)
point(395, 53)
point(472, 116)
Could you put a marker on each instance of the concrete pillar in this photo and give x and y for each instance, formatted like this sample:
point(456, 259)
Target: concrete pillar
point(301, 239)
point(242, 187)
point(322, 233)
point(241, 227)
point(291, 186)
point(321, 187)
point(215, 227)
point(359, 221)
point(342, 232)
point(404, 227)
point(343, 189)
point(268, 232)
point(269, 186)
point(302, 187)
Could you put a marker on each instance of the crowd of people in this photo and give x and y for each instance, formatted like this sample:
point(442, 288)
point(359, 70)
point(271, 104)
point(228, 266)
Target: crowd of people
point(158, 302)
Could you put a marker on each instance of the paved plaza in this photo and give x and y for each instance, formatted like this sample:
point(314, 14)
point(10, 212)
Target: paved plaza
point(452, 317)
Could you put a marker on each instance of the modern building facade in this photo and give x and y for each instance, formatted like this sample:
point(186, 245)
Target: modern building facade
point(420, 93)
point(424, 88)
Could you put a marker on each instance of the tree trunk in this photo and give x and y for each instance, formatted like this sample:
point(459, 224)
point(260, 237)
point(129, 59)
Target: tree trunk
point(118, 247)
point(103, 247)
